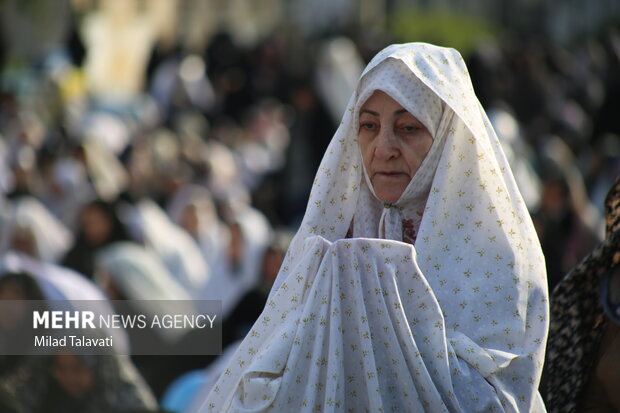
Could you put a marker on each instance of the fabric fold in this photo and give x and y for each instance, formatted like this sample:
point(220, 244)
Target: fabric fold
point(381, 350)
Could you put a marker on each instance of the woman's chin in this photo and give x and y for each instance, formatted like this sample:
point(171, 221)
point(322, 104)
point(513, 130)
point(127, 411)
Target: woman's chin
point(389, 188)
point(389, 197)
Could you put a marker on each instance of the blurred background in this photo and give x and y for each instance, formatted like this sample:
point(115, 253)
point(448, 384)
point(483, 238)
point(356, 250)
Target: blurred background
point(165, 149)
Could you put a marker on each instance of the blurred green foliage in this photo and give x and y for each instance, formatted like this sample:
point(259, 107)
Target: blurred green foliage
point(443, 28)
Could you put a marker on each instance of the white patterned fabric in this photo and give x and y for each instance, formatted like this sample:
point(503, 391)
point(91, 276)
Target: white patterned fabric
point(456, 321)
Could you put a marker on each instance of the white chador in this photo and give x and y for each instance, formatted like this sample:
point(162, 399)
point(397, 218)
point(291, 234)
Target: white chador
point(436, 303)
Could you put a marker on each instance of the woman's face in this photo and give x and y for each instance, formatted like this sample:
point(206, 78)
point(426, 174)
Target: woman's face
point(72, 375)
point(190, 220)
point(393, 143)
point(96, 225)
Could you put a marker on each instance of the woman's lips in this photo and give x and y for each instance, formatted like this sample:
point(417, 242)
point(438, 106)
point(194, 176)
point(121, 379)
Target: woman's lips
point(390, 175)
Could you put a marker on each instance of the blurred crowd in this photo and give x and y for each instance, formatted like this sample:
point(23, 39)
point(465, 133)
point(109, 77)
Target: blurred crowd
point(553, 108)
point(134, 169)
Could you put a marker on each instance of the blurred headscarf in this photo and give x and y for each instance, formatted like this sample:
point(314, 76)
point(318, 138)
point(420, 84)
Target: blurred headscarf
point(64, 289)
point(196, 201)
point(98, 226)
point(231, 280)
point(176, 248)
point(137, 274)
point(116, 387)
point(578, 320)
point(107, 174)
point(29, 226)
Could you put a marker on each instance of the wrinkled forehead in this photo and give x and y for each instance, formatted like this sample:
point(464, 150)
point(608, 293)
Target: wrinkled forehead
point(394, 78)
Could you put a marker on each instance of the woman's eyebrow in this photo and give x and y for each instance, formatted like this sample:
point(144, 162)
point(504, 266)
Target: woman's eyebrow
point(370, 112)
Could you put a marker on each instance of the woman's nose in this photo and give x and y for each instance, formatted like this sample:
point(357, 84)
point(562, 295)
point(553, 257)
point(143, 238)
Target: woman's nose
point(386, 144)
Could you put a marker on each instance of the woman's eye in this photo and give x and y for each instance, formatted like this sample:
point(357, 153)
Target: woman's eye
point(410, 128)
point(367, 126)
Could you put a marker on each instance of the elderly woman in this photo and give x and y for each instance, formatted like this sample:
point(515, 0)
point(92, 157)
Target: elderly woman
point(416, 281)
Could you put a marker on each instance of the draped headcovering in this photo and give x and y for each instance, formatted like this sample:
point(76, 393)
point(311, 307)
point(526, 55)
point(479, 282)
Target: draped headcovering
point(394, 78)
point(454, 319)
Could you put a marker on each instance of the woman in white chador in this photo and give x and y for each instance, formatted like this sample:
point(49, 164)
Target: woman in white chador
point(416, 281)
